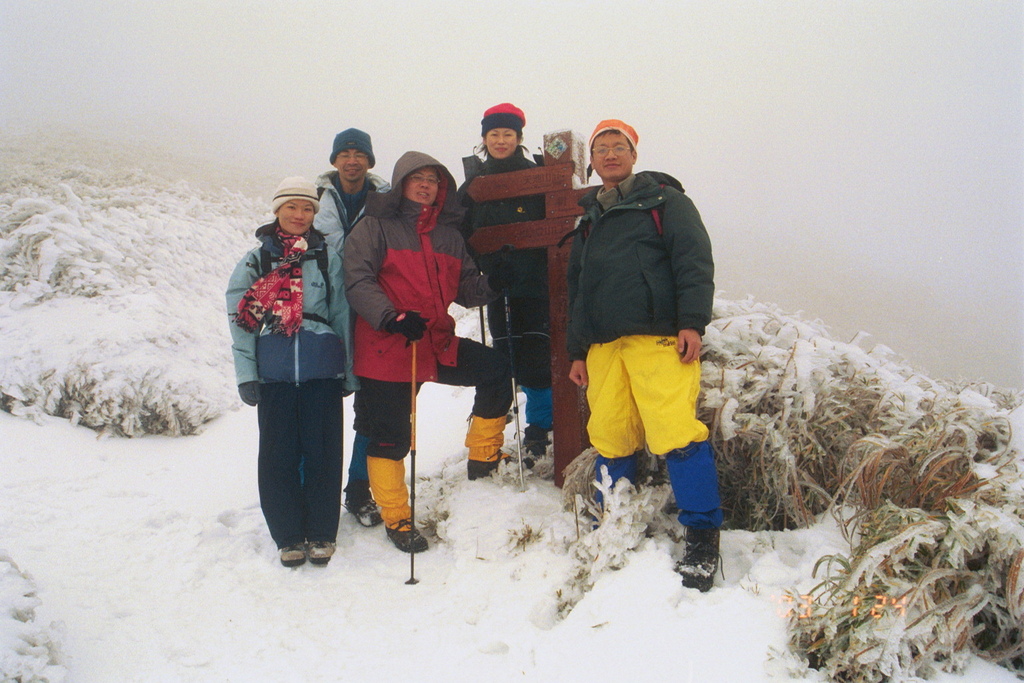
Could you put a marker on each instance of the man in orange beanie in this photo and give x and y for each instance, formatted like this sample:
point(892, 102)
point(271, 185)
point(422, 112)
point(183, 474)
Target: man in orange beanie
point(641, 284)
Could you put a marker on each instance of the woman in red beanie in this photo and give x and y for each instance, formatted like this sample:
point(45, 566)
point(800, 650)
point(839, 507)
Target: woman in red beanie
point(502, 151)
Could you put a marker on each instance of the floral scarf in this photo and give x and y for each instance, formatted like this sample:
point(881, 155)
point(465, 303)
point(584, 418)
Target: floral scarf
point(276, 298)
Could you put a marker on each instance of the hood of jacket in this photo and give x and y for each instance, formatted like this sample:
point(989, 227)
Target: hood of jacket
point(388, 204)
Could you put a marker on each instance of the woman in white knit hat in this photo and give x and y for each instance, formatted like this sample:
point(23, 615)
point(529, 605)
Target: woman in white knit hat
point(292, 346)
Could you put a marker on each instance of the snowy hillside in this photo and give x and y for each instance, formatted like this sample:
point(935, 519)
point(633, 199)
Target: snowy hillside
point(111, 289)
point(147, 559)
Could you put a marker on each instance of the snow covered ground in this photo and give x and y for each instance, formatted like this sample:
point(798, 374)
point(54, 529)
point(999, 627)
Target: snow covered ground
point(151, 562)
point(147, 559)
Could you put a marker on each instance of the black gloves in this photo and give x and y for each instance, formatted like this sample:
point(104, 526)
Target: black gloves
point(249, 392)
point(502, 276)
point(409, 324)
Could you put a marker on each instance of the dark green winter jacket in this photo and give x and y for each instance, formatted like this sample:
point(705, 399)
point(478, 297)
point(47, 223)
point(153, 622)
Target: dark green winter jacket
point(530, 266)
point(626, 279)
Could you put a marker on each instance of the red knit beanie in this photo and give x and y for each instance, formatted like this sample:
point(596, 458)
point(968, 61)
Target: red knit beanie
point(504, 115)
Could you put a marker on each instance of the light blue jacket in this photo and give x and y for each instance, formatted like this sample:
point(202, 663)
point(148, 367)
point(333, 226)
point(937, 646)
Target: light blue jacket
point(322, 349)
point(333, 220)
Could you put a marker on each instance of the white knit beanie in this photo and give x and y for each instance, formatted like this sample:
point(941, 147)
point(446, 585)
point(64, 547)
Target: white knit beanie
point(295, 187)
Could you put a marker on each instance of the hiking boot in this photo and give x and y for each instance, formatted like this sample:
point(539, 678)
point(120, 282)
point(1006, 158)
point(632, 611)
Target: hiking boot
point(478, 469)
point(406, 538)
point(535, 441)
point(366, 513)
point(320, 552)
point(293, 555)
point(700, 559)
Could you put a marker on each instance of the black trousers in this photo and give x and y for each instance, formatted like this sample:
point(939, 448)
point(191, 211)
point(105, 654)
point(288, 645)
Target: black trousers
point(531, 338)
point(300, 460)
point(382, 409)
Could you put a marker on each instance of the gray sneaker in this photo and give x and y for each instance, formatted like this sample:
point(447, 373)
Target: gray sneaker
point(293, 555)
point(320, 552)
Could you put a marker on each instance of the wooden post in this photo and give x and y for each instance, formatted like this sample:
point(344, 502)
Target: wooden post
point(562, 181)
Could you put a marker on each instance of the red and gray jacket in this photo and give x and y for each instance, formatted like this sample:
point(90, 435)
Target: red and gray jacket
point(404, 256)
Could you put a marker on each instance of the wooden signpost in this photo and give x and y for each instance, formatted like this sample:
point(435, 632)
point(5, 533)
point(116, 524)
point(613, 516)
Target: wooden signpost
point(556, 181)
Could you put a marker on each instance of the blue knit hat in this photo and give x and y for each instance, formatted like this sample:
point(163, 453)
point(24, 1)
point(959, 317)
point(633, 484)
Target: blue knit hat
point(353, 138)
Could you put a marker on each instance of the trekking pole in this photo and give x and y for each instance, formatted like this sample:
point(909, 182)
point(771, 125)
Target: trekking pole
point(512, 366)
point(412, 482)
point(483, 330)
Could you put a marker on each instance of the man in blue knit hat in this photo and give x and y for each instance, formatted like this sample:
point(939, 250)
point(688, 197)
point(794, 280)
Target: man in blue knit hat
point(347, 185)
point(342, 200)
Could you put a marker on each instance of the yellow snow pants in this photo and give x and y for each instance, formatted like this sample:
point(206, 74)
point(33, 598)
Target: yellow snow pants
point(639, 390)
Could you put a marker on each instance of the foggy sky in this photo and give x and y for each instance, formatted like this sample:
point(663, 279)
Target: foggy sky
point(857, 161)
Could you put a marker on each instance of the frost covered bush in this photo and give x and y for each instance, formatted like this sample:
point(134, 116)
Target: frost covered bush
point(922, 474)
point(29, 653)
point(607, 533)
point(111, 293)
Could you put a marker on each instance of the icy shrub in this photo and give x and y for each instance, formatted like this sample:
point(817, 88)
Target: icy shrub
point(922, 474)
point(112, 294)
point(920, 592)
point(607, 532)
point(29, 653)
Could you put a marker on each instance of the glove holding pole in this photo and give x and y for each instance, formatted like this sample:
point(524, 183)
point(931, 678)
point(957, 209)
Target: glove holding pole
point(409, 324)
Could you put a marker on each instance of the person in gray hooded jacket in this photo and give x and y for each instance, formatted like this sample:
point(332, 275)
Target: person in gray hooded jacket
point(405, 264)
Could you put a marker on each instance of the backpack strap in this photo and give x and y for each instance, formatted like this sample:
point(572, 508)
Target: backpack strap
point(315, 317)
point(321, 262)
point(582, 231)
point(266, 264)
point(656, 215)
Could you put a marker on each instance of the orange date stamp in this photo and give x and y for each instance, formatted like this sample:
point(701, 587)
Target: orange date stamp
point(875, 606)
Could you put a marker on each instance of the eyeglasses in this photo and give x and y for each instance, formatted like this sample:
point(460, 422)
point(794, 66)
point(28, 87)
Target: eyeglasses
point(428, 179)
point(353, 154)
point(604, 151)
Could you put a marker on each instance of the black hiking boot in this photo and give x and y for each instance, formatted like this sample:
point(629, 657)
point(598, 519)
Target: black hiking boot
point(479, 469)
point(366, 512)
point(535, 441)
point(406, 538)
point(359, 502)
point(700, 559)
